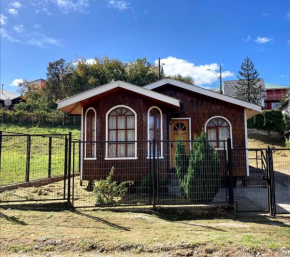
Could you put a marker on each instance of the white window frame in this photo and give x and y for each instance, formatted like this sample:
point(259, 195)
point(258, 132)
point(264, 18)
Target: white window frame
point(95, 145)
point(161, 132)
point(107, 135)
point(221, 117)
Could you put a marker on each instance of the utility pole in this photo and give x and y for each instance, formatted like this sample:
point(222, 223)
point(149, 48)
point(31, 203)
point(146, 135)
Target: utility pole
point(221, 85)
point(159, 69)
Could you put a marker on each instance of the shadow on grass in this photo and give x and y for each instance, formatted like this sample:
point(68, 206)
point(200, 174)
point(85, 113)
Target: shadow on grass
point(113, 225)
point(12, 219)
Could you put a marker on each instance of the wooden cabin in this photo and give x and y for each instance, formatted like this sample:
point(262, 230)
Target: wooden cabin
point(117, 114)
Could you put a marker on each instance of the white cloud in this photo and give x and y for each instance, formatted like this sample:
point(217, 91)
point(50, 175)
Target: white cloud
point(13, 11)
point(5, 34)
point(87, 61)
point(200, 74)
point(65, 6)
point(248, 39)
point(121, 5)
point(19, 28)
point(16, 82)
point(263, 40)
point(16, 4)
point(43, 41)
point(3, 19)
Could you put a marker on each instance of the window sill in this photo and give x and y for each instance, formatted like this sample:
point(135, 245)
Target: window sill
point(161, 157)
point(121, 158)
point(90, 159)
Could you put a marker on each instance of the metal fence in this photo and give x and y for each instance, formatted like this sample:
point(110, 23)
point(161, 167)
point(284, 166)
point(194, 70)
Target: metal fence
point(29, 164)
point(155, 175)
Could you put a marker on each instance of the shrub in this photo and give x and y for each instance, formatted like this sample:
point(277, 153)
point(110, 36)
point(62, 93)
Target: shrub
point(144, 186)
point(201, 180)
point(108, 190)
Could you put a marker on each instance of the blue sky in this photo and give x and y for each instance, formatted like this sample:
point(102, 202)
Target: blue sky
point(190, 36)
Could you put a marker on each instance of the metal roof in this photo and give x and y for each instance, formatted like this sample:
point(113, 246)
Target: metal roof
point(7, 95)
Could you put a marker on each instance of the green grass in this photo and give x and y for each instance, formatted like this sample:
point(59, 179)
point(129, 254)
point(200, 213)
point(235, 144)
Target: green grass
point(14, 152)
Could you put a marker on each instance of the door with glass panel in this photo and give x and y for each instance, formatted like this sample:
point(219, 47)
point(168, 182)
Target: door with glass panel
point(179, 130)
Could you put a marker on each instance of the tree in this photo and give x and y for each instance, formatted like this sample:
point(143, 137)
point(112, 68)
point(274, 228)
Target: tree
point(141, 72)
point(188, 80)
point(249, 89)
point(58, 80)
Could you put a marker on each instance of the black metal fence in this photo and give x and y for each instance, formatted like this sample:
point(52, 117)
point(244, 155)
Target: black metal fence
point(53, 167)
point(155, 173)
point(29, 164)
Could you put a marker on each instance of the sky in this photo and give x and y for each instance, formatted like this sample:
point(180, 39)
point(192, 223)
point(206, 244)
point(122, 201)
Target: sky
point(190, 36)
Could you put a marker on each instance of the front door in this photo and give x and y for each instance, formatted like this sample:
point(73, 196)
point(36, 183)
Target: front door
point(179, 130)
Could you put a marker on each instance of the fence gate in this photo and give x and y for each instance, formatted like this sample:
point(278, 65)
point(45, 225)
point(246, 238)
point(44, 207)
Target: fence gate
point(281, 180)
point(34, 167)
point(251, 192)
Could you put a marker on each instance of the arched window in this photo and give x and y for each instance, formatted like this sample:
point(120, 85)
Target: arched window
point(121, 133)
point(155, 130)
point(218, 128)
point(90, 134)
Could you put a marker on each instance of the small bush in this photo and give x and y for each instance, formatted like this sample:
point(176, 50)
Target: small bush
point(108, 190)
point(144, 186)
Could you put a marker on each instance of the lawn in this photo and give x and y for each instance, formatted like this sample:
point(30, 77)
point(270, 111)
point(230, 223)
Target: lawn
point(14, 152)
point(92, 232)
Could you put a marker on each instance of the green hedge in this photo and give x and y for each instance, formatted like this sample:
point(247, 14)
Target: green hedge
point(270, 120)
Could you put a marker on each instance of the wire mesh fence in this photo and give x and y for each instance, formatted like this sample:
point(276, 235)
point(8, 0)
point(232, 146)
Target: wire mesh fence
point(250, 184)
point(30, 163)
point(158, 173)
point(281, 167)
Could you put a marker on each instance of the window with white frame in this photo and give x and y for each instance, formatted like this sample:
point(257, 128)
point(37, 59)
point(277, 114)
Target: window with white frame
point(218, 129)
point(155, 130)
point(90, 133)
point(121, 133)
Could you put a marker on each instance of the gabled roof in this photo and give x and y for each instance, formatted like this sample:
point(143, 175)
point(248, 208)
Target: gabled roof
point(7, 95)
point(231, 90)
point(252, 109)
point(75, 103)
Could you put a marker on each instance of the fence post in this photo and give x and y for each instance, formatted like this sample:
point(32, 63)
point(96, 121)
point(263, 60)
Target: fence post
point(150, 172)
point(28, 150)
point(49, 156)
point(154, 174)
point(69, 168)
point(65, 167)
point(271, 182)
point(230, 171)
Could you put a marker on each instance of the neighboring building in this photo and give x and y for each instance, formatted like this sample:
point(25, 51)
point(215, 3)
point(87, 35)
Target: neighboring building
point(4, 95)
point(285, 107)
point(38, 84)
point(229, 88)
point(275, 93)
point(117, 114)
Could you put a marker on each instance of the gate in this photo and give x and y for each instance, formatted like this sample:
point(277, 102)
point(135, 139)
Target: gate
point(281, 180)
point(34, 167)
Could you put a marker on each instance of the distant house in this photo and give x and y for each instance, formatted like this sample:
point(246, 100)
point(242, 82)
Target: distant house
point(4, 95)
point(275, 93)
point(285, 107)
point(38, 84)
point(231, 90)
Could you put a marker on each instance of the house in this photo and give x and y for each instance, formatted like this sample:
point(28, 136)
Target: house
point(118, 117)
point(229, 88)
point(274, 95)
point(4, 95)
point(285, 107)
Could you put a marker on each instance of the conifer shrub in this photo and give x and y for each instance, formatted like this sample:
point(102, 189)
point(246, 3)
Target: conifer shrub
point(108, 191)
point(200, 180)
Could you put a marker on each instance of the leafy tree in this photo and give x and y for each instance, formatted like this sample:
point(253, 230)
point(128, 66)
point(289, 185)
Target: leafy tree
point(58, 80)
point(188, 80)
point(249, 89)
point(141, 72)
